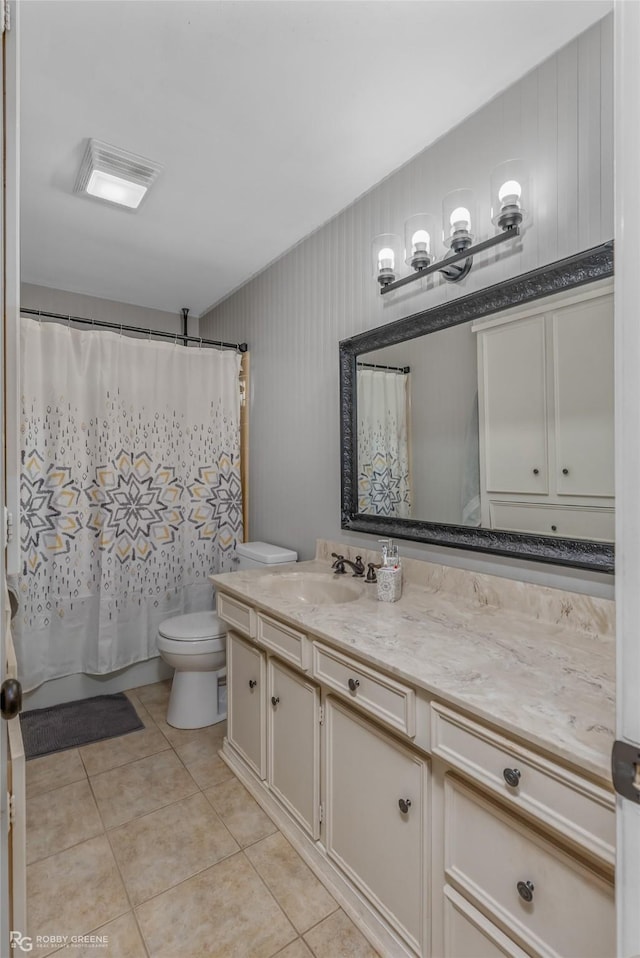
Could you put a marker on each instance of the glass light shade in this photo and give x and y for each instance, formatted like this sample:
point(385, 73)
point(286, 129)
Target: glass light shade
point(386, 252)
point(458, 219)
point(420, 232)
point(509, 193)
point(115, 189)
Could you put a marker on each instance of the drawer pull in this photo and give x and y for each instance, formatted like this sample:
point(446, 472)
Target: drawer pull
point(274, 700)
point(353, 684)
point(511, 777)
point(404, 804)
point(565, 472)
point(525, 890)
point(252, 683)
point(536, 472)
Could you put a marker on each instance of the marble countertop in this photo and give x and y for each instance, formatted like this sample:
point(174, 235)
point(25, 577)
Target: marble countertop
point(550, 683)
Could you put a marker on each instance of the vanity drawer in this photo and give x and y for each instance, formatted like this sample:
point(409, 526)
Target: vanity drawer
point(581, 811)
point(469, 934)
point(389, 701)
point(573, 522)
point(242, 617)
point(290, 645)
point(490, 856)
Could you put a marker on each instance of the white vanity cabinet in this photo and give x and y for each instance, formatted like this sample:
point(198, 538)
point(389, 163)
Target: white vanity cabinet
point(546, 419)
point(376, 818)
point(293, 744)
point(430, 826)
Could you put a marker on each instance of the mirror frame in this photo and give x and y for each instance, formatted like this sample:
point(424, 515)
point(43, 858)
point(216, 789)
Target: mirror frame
point(574, 271)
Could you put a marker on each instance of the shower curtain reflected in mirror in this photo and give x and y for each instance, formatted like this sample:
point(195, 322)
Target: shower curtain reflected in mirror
point(130, 493)
point(384, 474)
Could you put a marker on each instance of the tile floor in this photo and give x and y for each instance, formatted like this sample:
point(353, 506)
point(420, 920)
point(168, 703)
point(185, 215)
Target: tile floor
point(150, 840)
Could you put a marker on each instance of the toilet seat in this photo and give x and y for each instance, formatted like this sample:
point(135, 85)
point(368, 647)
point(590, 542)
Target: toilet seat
point(191, 646)
point(194, 626)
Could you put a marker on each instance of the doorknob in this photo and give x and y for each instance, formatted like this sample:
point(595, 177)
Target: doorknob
point(10, 698)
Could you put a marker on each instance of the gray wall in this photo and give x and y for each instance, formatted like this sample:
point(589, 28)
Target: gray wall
point(560, 119)
point(107, 310)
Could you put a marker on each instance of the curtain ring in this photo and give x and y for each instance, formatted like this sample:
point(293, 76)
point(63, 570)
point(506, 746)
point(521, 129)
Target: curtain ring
point(175, 341)
point(149, 334)
point(68, 322)
point(200, 346)
point(121, 330)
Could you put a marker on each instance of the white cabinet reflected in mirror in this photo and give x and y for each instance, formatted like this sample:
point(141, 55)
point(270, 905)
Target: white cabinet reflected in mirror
point(490, 428)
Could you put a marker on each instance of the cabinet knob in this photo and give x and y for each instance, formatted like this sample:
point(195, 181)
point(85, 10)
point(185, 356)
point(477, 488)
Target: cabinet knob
point(353, 684)
point(554, 528)
point(274, 700)
point(536, 472)
point(252, 683)
point(565, 472)
point(511, 776)
point(404, 804)
point(525, 890)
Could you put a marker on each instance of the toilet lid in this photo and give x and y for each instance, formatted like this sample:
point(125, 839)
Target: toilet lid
point(194, 625)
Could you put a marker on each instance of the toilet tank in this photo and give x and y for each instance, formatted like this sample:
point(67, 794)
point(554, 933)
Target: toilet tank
point(257, 555)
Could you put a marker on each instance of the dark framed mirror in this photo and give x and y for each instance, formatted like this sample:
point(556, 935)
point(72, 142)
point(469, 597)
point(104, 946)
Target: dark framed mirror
point(486, 422)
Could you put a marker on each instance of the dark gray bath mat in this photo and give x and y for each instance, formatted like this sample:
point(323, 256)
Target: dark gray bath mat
point(59, 727)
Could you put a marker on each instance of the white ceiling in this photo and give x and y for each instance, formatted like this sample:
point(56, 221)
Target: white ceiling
point(269, 117)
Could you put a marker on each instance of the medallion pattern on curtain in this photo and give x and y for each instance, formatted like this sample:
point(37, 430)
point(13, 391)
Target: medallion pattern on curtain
point(130, 493)
point(384, 480)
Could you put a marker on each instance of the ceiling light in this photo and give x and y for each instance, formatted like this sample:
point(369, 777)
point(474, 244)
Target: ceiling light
point(113, 175)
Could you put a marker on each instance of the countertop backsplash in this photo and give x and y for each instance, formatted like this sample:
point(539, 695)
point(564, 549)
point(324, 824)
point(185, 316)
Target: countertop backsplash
point(584, 613)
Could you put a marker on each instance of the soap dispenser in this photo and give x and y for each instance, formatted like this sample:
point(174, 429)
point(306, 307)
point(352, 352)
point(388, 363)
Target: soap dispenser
point(389, 575)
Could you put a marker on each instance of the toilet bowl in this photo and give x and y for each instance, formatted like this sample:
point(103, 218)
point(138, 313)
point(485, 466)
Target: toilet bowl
point(195, 646)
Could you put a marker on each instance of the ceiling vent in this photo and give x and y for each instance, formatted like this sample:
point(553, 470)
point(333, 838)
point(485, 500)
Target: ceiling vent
point(115, 176)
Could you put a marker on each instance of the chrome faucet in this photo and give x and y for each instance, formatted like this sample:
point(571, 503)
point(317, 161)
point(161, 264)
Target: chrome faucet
point(341, 562)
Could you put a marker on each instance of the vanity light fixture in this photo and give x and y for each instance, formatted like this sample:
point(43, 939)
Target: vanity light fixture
point(115, 176)
point(508, 189)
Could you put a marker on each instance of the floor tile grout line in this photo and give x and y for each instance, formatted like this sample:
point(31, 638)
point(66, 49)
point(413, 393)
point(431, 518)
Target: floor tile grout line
point(297, 933)
point(225, 858)
point(126, 891)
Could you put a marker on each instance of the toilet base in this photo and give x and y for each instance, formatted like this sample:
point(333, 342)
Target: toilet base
point(194, 698)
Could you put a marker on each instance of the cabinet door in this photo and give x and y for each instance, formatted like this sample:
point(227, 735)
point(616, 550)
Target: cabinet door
point(515, 407)
point(247, 698)
point(583, 371)
point(294, 744)
point(379, 846)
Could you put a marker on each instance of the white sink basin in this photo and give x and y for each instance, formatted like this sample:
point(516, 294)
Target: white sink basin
point(312, 588)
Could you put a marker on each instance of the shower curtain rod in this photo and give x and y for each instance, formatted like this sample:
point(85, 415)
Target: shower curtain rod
point(241, 347)
point(392, 369)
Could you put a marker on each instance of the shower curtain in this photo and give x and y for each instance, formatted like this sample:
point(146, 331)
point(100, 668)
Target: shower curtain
point(130, 493)
point(384, 480)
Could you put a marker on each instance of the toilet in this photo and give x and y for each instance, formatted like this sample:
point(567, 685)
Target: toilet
point(195, 645)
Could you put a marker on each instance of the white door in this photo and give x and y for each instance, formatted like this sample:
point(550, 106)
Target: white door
point(515, 407)
point(583, 397)
point(376, 815)
point(294, 744)
point(12, 837)
point(627, 348)
point(247, 701)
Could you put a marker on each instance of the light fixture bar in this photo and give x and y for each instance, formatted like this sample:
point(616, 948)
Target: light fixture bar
point(442, 264)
